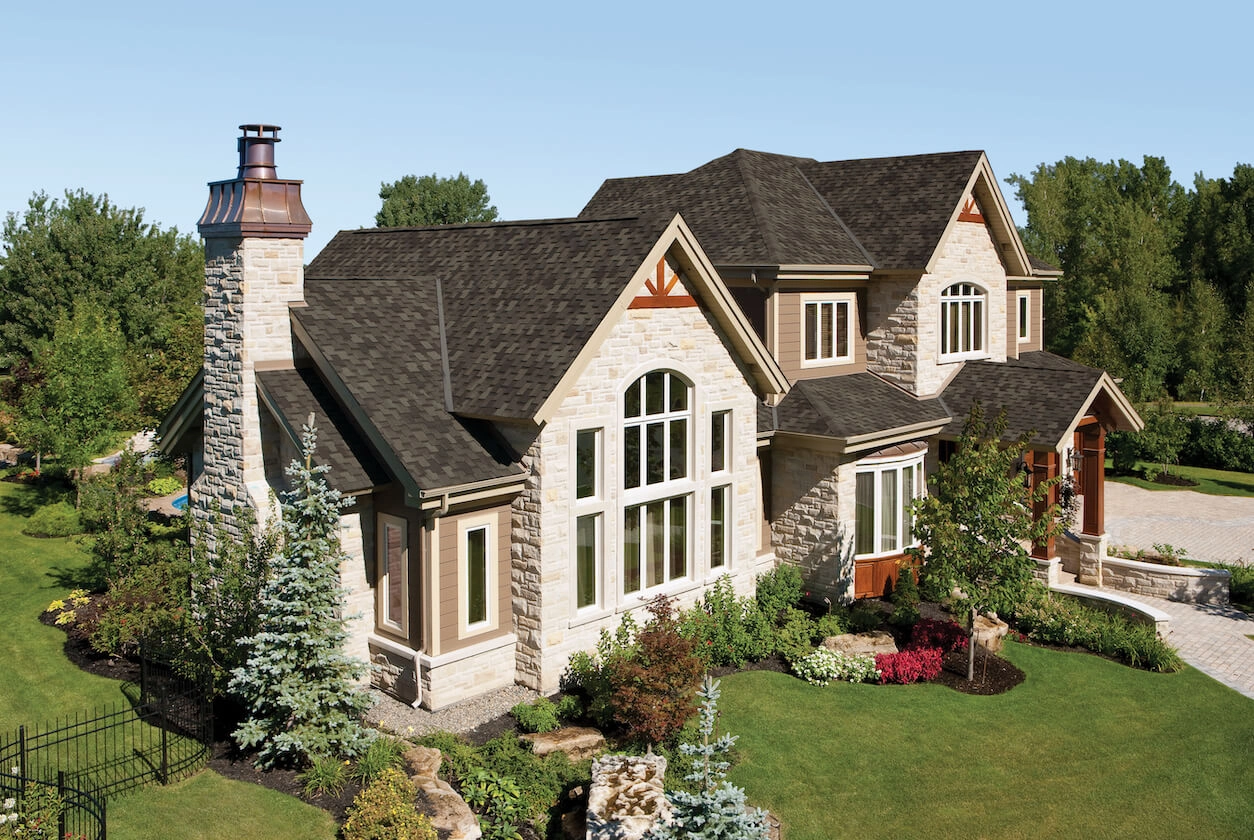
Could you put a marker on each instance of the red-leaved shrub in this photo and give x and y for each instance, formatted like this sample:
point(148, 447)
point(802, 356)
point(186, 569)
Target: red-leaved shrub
point(909, 666)
point(930, 633)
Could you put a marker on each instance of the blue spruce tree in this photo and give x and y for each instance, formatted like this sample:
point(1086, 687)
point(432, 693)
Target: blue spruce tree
point(298, 683)
point(717, 811)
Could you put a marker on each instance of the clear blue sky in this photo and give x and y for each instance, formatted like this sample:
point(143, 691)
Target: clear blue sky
point(545, 100)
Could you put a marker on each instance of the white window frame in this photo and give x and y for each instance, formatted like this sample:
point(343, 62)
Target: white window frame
point(635, 501)
point(727, 530)
point(488, 524)
point(964, 297)
point(723, 416)
point(835, 300)
point(383, 611)
point(878, 467)
point(593, 505)
point(1023, 315)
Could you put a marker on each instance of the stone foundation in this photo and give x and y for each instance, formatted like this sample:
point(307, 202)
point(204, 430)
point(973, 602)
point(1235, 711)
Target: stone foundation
point(463, 674)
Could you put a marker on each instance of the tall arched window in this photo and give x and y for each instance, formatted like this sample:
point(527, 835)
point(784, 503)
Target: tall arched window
point(657, 490)
point(962, 322)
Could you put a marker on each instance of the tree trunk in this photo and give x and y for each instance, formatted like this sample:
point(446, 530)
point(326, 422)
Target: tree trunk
point(971, 650)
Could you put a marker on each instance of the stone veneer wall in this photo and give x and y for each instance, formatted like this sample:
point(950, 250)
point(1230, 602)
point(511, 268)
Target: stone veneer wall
point(1194, 586)
point(354, 577)
point(813, 494)
point(903, 343)
point(684, 340)
point(248, 285)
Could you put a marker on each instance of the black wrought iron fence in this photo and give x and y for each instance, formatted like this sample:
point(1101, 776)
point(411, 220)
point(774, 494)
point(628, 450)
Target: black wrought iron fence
point(163, 731)
point(42, 810)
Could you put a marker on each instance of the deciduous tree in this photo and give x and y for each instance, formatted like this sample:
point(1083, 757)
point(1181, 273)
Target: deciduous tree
point(431, 200)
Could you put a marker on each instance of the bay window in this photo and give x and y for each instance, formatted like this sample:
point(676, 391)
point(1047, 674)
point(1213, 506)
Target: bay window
point(884, 490)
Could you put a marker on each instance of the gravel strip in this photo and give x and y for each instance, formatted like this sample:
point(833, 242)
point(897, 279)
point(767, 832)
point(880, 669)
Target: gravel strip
point(391, 714)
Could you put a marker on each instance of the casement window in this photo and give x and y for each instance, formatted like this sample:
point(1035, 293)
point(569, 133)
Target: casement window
point(657, 485)
point(1025, 323)
point(477, 560)
point(884, 492)
point(827, 329)
point(963, 322)
point(720, 526)
point(720, 442)
point(589, 517)
point(393, 579)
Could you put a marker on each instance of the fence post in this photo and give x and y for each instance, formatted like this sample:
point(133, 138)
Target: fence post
point(61, 832)
point(21, 740)
point(164, 723)
point(103, 822)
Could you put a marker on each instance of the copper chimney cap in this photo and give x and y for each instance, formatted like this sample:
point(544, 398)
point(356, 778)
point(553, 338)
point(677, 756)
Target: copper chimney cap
point(256, 151)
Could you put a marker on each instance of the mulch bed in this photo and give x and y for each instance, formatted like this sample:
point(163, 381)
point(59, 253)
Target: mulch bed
point(993, 675)
point(232, 763)
point(1173, 480)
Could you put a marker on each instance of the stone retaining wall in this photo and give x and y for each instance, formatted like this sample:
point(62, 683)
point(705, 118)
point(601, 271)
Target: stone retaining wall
point(1175, 583)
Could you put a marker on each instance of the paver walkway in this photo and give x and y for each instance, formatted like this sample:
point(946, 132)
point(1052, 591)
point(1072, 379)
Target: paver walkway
point(1206, 527)
point(1213, 639)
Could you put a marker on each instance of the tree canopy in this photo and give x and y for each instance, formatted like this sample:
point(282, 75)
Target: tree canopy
point(431, 200)
point(83, 249)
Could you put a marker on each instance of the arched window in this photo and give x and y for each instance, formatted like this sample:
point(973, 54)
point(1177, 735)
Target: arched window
point(962, 322)
point(657, 490)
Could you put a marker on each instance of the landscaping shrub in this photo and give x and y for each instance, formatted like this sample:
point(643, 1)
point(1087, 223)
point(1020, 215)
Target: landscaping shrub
point(498, 801)
point(1215, 444)
point(56, 520)
point(1241, 586)
point(725, 629)
point(149, 602)
point(569, 708)
point(36, 817)
point(325, 775)
point(823, 666)
point(1064, 621)
point(540, 716)
point(586, 675)
point(863, 618)
point(832, 624)
point(909, 666)
point(653, 686)
point(383, 752)
point(794, 637)
point(779, 590)
point(385, 810)
point(946, 635)
point(164, 486)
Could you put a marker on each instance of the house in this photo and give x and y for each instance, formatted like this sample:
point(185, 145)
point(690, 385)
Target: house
point(543, 424)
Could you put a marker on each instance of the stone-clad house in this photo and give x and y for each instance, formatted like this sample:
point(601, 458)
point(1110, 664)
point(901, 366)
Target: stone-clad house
point(546, 423)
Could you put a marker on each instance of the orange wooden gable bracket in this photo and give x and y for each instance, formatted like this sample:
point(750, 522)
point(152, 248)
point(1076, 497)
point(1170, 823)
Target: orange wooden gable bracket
point(659, 296)
point(971, 212)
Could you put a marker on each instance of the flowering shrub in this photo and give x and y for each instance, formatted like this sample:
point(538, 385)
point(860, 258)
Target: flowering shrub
point(385, 810)
point(909, 666)
point(946, 635)
point(823, 665)
point(36, 818)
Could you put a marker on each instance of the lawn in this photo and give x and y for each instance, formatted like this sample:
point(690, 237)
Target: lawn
point(41, 684)
point(1084, 748)
point(1211, 482)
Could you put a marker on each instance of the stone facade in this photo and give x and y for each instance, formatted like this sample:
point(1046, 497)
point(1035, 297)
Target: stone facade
point(1195, 586)
point(903, 314)
point(683, 340)
point(812, 495)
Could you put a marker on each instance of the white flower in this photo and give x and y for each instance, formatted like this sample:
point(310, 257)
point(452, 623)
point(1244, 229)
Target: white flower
point(10, 804)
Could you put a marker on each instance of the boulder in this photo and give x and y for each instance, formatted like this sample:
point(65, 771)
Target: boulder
point(450, 815)
point(627, 796)
point(578, 742)
point(989, 632)
point(872, 643)
point(422, 762)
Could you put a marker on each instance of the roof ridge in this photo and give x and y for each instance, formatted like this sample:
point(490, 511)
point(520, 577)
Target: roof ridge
point(755, 206)
point(857, 242)
point(563, 220)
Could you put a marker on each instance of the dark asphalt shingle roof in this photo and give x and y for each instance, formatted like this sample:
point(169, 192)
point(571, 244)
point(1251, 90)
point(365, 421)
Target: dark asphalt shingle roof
point(851, 406)
point(745, 208)
point(755, 208)
point(296, 394)
point(897, 207)
point(1040, 392)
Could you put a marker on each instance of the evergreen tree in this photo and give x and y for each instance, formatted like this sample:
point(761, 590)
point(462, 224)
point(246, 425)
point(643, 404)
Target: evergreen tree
point(298, 683)
point(717, 811)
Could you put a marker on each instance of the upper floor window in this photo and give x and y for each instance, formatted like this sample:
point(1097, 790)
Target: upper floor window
point(657, 426)
point(962, 323)
point(827, 329)
point(1025, 308)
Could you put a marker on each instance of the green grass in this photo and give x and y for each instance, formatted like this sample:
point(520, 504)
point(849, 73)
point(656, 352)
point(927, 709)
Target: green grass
point(1084, 748)
point(209, 807)
point(1210, 482)
point(40, 684)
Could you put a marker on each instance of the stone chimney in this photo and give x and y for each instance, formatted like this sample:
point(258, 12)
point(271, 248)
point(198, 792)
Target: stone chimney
point(254, 227)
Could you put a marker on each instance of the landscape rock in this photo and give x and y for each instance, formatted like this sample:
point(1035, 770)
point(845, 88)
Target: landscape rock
point(989, 632)
point(423, 762)
point(872, 643)
point(627, 796)
point(578, 742)
point(448, 811)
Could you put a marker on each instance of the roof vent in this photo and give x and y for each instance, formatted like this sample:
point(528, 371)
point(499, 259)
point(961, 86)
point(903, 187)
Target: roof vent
point(256, 151)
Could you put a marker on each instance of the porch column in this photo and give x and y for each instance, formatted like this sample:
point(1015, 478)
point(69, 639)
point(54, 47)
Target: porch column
point(1044, 467)
point(1093, 477)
